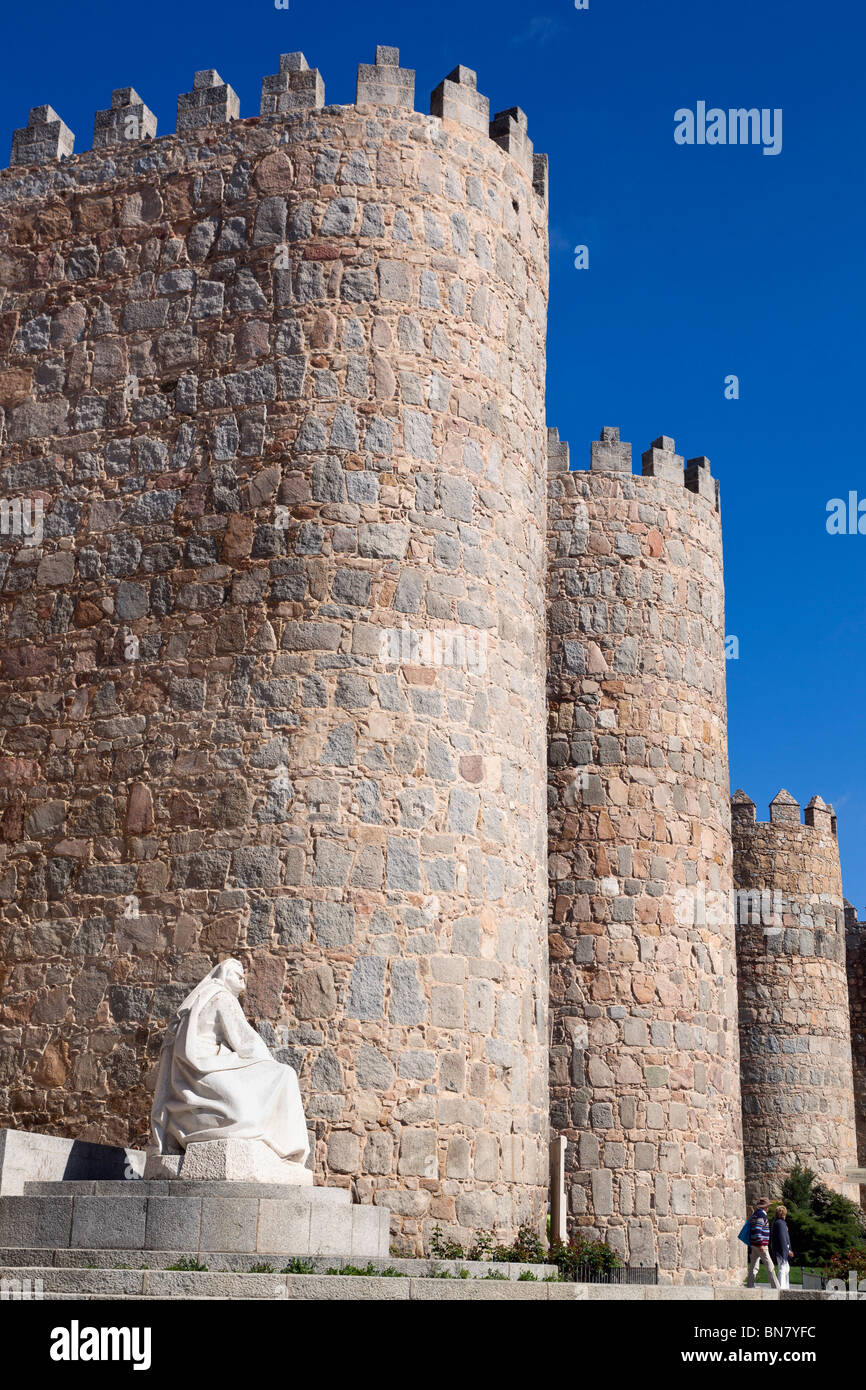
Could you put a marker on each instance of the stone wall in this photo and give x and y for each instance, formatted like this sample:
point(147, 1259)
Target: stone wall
point(644, 1062)
point(795, 1029)
point(856, 963)
point(272, 673)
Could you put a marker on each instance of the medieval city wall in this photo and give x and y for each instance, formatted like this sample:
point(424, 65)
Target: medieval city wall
point(795, 1024)
point(644, 1064)
point(272, 677)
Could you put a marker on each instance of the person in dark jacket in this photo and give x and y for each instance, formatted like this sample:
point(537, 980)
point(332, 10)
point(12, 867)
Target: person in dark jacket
point(759, 1243)
point(780, 1247)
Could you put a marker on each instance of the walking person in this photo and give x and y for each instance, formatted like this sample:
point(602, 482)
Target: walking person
point(759, 1244)
point(780, 1247)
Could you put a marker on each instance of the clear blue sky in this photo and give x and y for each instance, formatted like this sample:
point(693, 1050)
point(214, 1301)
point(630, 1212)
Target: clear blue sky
point(703, 262)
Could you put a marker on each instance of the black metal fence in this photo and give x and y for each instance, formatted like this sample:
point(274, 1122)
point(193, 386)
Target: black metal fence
point(627, 1274)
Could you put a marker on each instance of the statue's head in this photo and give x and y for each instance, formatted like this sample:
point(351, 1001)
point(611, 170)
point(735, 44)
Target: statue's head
point(231, 973)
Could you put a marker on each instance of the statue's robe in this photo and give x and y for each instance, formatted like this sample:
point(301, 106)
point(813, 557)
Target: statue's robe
point(218, 1080)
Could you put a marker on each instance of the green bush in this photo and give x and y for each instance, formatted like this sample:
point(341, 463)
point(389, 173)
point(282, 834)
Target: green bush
point(482, 1247)
point(580, 1255)
point(822, 1223)
point(841, 1265)
point(526, 1249)
point(443, 1249)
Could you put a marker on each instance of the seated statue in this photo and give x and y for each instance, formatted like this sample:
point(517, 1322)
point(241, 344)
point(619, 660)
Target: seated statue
point(218, 1081)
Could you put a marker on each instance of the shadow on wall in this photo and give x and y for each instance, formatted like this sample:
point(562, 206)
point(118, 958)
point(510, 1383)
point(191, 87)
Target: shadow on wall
point(94, 1161)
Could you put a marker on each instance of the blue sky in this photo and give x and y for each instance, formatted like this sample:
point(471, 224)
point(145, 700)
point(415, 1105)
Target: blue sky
point(703, 262)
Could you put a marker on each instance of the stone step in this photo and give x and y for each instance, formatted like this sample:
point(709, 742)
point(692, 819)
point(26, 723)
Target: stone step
point(93, 1284)
point(119, 1284)
point(162, 1187)
point(227, 1262)
point(302, 1220)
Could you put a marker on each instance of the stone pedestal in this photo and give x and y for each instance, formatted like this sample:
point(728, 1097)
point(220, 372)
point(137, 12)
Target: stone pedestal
point(27, 1157)
point(209, 1221)
point(227, 1160)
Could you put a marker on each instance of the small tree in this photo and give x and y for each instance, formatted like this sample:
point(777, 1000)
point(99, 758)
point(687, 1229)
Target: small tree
point(822, 1223)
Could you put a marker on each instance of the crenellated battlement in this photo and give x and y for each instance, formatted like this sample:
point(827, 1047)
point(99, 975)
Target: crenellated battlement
point(610, 454)
point(784, 812)
point(296, 89)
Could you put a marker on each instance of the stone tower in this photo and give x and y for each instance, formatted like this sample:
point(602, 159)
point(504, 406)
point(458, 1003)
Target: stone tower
point(272, 671)
point(644, 1065)
point(795, 1028)
point(855, 933)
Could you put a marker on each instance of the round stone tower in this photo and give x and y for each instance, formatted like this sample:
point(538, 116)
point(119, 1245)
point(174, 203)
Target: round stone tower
point(644, 1064)
point(795, 1021)
point(272, 673)
point(855, 933)
point(855, 954)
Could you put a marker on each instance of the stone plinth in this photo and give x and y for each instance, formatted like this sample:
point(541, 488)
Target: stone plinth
point(228, 1160)
point(197, 1218)
point(26, 1157)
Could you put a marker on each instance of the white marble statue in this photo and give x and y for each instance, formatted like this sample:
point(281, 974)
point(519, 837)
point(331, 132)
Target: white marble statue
point(217, 1080)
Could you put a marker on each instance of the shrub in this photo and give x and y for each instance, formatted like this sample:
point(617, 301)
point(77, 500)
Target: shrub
point(839, 1266)
point(482, 1247)
point(822, 1223)
point(580, 1255)
point(526, 1249)
point(443, 1249)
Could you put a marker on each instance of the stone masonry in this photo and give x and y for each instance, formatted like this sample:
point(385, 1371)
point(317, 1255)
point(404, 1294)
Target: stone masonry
point(272, 671)
point(856, 961)
point(644, 1065)
point(795, 1026)
point(285, 554)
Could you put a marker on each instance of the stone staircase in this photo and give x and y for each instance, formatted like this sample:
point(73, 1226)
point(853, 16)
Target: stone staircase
point(205, 1240)
point(163, 1239)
